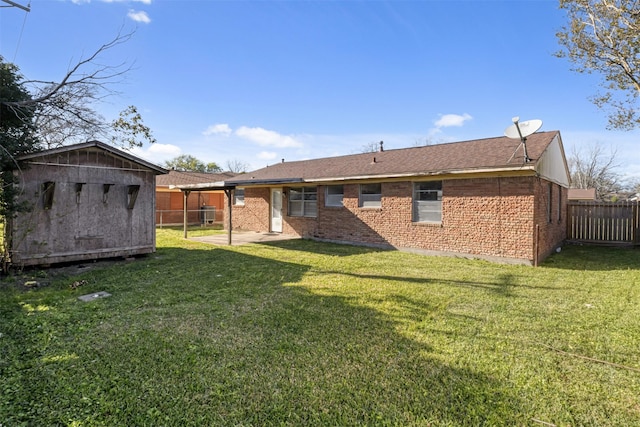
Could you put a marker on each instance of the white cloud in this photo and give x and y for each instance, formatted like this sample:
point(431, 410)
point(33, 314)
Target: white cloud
point(267, 155)
point(266, 137)
point(218, 129)
point(157, 153)
point(140, 16)
point(449, 120)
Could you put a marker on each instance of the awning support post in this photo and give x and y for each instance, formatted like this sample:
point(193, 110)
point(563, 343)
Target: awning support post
point(184, 207)
point(228, 193)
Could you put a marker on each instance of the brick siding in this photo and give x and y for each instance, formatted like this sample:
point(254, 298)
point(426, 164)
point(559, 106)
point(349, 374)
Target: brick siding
point(493, 217)
point(254, 215)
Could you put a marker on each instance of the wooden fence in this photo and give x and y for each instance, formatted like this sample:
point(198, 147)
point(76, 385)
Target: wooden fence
point(600, 222)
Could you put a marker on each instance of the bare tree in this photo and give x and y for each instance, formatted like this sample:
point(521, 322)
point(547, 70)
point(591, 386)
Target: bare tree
point(603, 36)
point(594, 168)
point(633, 185)
point(70, 117)
point(425, 141)
point(63, 110)
point(99, 77)
point(372, 147)
point(237, 166)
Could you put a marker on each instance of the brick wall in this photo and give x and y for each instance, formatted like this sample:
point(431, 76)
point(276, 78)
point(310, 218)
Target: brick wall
point(551, 231)
point(254, 215)
point(493, 217)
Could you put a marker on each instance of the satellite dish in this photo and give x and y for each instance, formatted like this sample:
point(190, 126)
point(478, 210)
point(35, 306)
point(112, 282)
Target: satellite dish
point(521, 130)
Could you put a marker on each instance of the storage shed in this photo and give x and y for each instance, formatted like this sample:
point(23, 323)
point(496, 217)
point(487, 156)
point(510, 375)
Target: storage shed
point(87, 201)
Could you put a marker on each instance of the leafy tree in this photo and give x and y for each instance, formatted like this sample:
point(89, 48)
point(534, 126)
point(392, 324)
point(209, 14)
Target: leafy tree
point(594, 168)
point(603, 36)
point(188, 163)
point(17, 137)
point(129, 130)
point(212, 167)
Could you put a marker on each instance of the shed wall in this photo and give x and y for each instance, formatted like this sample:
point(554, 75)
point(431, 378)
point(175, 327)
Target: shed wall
point(87, 221)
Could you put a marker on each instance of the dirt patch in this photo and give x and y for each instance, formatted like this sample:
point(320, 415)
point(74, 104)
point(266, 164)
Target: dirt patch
point(41, 277)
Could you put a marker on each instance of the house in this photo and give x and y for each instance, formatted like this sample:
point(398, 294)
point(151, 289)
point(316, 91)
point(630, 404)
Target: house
point(582, 194)
point(87, 201)
point(475, 198)
point(203, 206)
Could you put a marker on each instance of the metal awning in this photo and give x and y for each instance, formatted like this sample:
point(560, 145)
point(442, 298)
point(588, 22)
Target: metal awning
point(211, 186)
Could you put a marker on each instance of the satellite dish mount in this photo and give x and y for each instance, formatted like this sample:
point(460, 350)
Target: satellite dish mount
point(521, 130)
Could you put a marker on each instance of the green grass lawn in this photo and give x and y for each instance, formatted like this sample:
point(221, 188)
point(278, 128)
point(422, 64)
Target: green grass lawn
point(307, 333)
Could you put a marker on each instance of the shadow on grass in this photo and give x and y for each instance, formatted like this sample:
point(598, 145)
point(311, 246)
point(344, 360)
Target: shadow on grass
point(503, 285)
point(220, 337)
point(324, 248)
point(572, 257)
point(595, 258)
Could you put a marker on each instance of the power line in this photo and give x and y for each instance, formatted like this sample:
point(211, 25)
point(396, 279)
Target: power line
point(24, 21)
point(19, 6)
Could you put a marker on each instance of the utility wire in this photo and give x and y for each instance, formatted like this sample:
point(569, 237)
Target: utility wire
point(24, 21)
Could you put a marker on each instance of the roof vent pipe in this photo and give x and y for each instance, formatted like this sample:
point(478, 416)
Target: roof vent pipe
point(381, 146)
point(374, 159)
point(282, 160)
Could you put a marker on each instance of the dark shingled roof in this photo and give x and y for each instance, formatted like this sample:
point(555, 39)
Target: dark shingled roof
point(489, 153)
point(184, 178)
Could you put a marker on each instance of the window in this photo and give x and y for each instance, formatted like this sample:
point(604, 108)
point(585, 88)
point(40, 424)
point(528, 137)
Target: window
point(334, 195)
point(303, 201)
point(427, 201)
point(238, 196)
point(370, 195)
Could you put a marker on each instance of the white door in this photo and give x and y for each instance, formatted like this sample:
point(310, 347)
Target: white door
point(276, 210)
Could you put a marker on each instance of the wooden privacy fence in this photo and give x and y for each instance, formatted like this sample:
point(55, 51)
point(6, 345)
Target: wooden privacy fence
point(603, 222)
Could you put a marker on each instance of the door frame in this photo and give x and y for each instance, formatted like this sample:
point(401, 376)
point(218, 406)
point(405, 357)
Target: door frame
point(275, 227)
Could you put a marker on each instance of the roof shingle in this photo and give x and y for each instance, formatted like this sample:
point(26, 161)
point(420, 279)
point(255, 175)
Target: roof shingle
point(499, 152)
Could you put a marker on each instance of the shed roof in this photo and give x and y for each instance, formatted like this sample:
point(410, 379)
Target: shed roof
point(489, 154)
point(98, 146)
point(179, 178)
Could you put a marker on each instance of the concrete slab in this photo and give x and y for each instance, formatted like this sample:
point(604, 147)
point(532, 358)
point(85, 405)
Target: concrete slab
point(243, 238)
point(93, 296)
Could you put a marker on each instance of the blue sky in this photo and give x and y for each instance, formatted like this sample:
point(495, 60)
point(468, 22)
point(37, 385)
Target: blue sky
point(259, 81)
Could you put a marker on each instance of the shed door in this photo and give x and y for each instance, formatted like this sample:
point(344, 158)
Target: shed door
point(276, 210)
